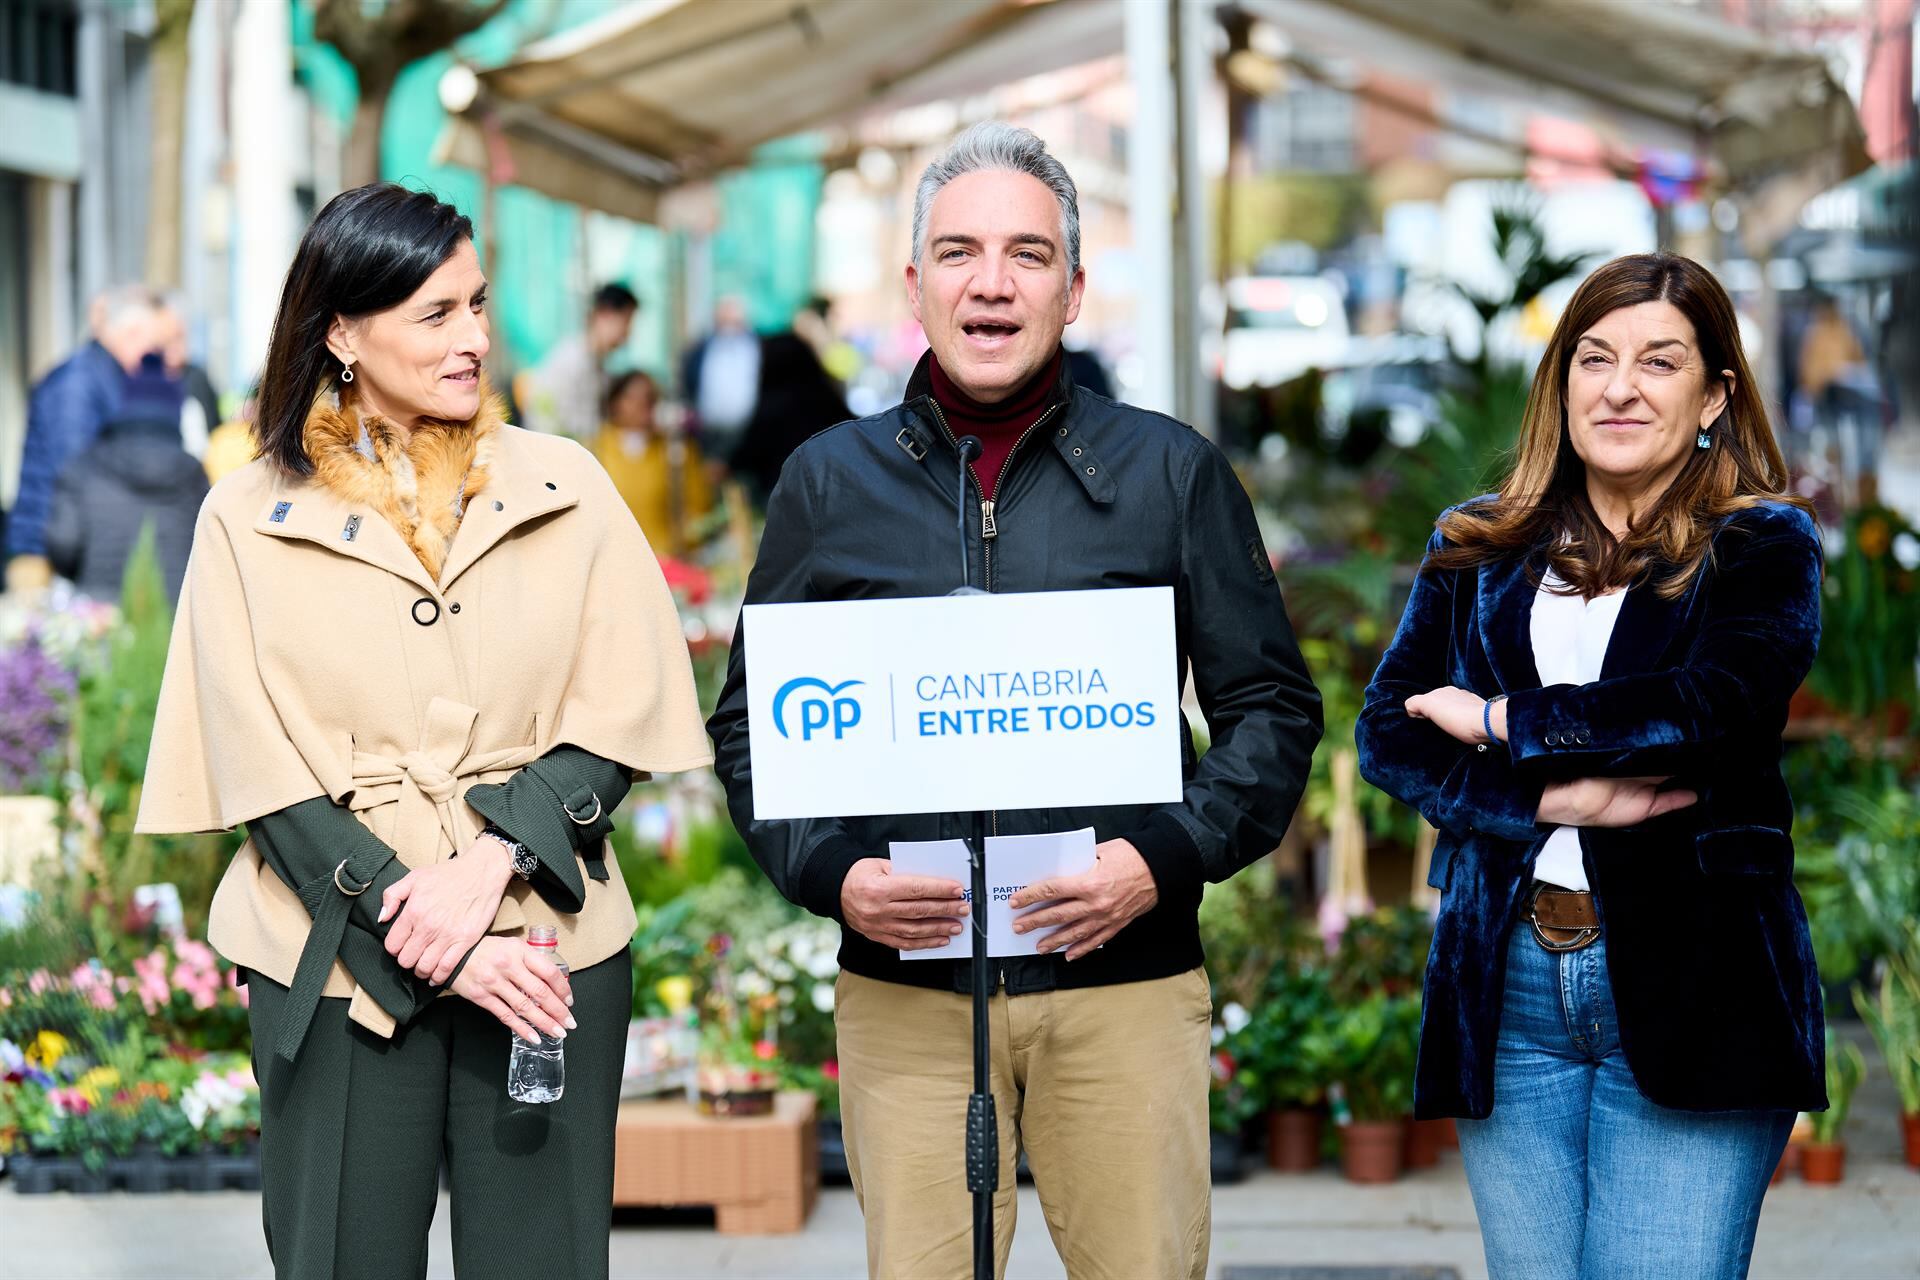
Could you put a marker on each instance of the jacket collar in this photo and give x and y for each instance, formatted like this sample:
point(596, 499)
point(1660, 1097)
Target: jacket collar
point(1643, 631)
point(354, 519)
point(1067, 425)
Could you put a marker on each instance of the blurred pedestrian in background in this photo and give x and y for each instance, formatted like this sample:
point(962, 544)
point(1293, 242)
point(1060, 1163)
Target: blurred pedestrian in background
point(796, 398)
point(659, 472)
point(200, 410)
point(135, 473)
point(564, 393)
point(66, 411)
point(231, 446)
point(721, 378)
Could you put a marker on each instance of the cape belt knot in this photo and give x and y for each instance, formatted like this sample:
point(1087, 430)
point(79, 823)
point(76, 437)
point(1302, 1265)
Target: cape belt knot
point(426, 782)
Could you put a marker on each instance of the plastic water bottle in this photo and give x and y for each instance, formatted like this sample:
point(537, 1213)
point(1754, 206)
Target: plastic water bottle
point(538, 1072)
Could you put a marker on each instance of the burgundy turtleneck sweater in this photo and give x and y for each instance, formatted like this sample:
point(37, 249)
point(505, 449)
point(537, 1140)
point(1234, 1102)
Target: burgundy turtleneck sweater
point(998, 426)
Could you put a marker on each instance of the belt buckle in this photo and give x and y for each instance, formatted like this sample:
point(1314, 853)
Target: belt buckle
point(1583, 938)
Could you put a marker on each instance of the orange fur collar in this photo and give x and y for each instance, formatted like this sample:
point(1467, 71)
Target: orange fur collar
point(421, 487)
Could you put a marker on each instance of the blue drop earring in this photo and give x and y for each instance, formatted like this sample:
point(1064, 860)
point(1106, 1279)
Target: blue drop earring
point(1703, 440)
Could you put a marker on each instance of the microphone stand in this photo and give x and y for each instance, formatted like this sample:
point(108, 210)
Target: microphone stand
point(983, 1130)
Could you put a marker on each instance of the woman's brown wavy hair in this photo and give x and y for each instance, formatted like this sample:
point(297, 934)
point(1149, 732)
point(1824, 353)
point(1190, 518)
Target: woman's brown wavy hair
point(1543, 499)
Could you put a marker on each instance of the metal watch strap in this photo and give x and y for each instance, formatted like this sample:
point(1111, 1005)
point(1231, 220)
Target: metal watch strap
point(525, 863)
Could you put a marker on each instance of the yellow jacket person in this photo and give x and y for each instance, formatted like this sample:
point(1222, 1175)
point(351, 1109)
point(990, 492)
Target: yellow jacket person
point(421, 655)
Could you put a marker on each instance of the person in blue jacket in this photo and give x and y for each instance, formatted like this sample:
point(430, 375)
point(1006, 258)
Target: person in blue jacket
point(66, 411)
point(1586, 695)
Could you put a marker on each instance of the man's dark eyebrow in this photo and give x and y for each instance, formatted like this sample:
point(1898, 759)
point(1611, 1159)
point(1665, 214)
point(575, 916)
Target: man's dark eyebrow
point(973, 242)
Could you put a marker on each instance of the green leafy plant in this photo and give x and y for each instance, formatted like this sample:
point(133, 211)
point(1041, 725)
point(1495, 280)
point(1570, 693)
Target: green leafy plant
point(1385, 950)
point(1371, 1050)
point(1869, 621)
point(1846, 1068)
point(1250, 926)
point(1857, 858)
point(1892, 1015)
point(822, 1081)
point(112, 729)
point(1282, 1053)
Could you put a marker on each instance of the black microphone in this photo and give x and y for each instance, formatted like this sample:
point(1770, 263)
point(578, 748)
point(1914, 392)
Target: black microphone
point(970, 448)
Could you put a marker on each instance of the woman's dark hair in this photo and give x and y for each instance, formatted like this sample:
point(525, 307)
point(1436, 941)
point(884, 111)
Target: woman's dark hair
point(619, 385)
point(368, 250)
point(1543, 499)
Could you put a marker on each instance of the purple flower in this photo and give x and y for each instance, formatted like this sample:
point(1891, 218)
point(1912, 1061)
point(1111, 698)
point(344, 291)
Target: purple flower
point(35, 696)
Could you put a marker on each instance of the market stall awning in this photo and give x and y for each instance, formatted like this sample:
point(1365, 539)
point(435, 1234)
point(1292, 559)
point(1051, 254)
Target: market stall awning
point(1665, 76)
point(608, 114)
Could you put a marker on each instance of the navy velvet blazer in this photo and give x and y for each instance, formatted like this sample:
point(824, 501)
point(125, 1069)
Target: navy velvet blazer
point(1712, 971)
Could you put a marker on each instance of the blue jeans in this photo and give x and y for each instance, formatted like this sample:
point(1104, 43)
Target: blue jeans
point(1575, 1175)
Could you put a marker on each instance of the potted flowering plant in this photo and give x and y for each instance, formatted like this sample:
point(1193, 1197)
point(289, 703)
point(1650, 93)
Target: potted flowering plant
point(1282, 1052)
point(1893, 1016)
point(739, 1069)
point(1824, 1159)
point(1373, 1046)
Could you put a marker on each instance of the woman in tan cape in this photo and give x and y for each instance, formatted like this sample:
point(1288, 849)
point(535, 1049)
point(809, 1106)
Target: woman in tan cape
point(421, 655)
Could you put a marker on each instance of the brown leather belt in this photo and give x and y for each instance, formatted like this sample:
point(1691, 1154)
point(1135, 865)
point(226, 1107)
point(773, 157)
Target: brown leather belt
point(1562, 919)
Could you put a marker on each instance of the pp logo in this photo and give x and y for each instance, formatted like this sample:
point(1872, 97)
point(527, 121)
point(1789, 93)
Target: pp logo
point(830, 708)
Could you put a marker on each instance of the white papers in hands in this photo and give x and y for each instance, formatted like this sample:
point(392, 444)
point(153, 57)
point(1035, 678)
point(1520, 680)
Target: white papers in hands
point(947, 860)
point(1013, 863)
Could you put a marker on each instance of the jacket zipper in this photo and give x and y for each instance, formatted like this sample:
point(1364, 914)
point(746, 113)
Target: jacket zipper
point(989, 530)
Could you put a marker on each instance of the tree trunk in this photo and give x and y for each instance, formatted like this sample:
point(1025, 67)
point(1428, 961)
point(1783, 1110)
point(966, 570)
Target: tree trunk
point(168, 69)
point(362, 163)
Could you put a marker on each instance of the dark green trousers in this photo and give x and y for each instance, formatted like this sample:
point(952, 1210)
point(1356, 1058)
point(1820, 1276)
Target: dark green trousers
point(353, 1133)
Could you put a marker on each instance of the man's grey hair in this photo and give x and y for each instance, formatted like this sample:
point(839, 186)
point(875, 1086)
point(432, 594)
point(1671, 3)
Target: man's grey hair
point(995, 144)
point(115, 305)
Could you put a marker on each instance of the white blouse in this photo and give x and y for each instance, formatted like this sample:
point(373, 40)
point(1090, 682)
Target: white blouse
point(1570, 638)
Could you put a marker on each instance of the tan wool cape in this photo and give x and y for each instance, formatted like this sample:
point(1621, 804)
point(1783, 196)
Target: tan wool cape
point(416, 618)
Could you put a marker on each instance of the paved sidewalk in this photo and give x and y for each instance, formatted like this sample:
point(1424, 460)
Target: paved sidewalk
point(1868, 1228)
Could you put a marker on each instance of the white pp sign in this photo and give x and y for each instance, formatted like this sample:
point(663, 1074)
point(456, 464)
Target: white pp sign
point(958, 703)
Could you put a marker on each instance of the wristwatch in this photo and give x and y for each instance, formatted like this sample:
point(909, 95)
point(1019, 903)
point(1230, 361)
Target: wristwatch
point(524, 862)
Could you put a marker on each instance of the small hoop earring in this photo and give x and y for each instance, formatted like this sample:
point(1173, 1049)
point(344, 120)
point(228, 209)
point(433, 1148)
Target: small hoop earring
point(346, 373)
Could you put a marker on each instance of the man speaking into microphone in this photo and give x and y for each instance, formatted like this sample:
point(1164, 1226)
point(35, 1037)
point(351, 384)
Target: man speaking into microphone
point(1100, 1043)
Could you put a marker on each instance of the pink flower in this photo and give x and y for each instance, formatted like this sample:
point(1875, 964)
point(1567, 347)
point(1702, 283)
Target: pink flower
point(237, 987)
point(70, 1101)
point(830, 1068)
point(39, 982)
point(764, 1050)
point(151, 970)
point(197, 954)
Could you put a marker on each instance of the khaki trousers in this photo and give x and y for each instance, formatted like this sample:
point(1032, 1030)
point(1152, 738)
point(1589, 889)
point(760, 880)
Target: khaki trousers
point(1104, 1088)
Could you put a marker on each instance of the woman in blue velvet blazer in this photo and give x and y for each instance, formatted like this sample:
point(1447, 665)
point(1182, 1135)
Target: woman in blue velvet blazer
point(1627, 1072)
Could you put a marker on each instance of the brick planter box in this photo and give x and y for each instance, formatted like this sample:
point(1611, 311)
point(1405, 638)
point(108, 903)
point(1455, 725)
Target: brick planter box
point(761, 1174)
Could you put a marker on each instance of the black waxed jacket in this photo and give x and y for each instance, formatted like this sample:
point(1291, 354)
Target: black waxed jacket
point(1097, 495)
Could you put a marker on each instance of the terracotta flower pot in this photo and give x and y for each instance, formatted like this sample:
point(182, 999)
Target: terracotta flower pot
point(1449, 1133)
point(1425, 1139)
point(1910, 1129)
point(1824, 1162)
point(1293, 1140)
point(1370, 1150)
point(1779, 1171)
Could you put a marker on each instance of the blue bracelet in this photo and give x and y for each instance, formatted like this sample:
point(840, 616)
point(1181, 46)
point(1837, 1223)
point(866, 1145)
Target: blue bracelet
point(1486, 714)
